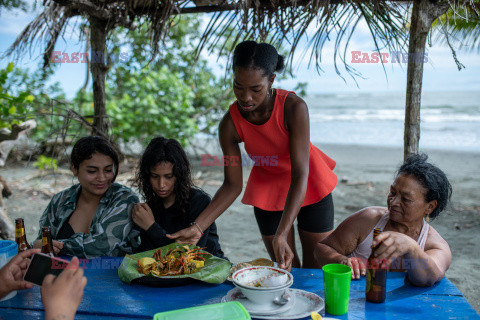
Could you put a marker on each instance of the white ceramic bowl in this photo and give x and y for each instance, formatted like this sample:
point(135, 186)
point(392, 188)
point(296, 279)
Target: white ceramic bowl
point(263, 285)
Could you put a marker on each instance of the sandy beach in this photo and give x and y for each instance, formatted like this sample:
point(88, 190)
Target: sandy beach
point(365, 174)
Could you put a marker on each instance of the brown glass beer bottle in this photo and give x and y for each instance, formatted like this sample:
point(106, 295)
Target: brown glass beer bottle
point(20, 236)
point(376, 287)
point(47, 246)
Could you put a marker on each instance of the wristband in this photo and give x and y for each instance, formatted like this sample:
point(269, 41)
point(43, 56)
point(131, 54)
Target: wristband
point(196, 224)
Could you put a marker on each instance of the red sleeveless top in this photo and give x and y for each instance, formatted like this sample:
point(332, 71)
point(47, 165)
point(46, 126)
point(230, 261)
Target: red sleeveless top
point(268, 145)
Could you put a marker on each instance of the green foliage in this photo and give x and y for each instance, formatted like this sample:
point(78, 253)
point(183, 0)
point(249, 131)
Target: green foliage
point(13, 106)
point(173, 95)
point(151, 102)
point(13, 4)
point(46, 163)
point(46, 98)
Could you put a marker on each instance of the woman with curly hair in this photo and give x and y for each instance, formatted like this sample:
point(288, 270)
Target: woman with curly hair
point(172, 202)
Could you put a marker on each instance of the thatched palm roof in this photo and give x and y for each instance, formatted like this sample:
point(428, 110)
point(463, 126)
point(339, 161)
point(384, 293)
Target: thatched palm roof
point(272, 20)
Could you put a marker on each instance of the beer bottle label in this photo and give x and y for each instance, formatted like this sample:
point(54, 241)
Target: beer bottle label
point(44, 241)
point(19, 233)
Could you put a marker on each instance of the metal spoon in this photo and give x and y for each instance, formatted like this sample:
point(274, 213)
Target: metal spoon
point(284, 299)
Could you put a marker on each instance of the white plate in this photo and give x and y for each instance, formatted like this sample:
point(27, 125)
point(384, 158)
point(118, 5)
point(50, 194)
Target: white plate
point(260, 310)
point(305, 303)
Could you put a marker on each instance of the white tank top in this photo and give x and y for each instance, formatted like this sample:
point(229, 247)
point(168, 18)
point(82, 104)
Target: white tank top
point(364, 249)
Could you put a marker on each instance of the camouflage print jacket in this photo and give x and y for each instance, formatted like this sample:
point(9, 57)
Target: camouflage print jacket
point(111, 232)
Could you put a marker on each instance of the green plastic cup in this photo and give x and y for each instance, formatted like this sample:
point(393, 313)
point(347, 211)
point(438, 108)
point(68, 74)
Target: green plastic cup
point(336, 281)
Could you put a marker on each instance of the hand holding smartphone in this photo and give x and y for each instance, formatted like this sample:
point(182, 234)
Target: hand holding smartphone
point(61, 293)
point(41, 265)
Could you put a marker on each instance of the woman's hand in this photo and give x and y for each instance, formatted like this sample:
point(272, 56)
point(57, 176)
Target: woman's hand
point(190, 235)
point(62, 295)
point(57, 245)
point(283, 254)
point(142, 215)
point(392, 245)
point(11, 275)
point(357, 265)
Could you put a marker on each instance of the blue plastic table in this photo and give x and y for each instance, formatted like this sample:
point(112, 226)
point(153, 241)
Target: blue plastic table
point(107, 297)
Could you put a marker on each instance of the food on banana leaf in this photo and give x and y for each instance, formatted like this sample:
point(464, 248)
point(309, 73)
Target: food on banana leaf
point(176, 261)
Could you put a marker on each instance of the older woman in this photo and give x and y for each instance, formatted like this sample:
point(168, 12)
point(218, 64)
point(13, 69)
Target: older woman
point(418, 194)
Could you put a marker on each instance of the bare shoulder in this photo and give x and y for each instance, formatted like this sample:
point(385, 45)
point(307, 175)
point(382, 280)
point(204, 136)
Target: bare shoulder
point(295, 112)
point(369, 215)
point(226, 120)
point(364, 220)
point(353, 230)
point(361, 222)
point(294, 103)
point(227, 130)
point(435, 240)
point(438, 249)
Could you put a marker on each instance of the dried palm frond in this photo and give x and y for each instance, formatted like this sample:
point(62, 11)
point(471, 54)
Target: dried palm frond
point(46, 27)
point(309, 22)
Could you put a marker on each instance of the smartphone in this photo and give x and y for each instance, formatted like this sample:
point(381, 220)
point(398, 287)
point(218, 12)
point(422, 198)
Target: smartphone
point(41, 265)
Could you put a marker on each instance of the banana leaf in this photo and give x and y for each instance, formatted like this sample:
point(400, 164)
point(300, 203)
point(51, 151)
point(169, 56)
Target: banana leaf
point(215, 270)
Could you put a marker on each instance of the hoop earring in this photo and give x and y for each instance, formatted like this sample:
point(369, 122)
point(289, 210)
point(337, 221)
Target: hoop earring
point(271, 92)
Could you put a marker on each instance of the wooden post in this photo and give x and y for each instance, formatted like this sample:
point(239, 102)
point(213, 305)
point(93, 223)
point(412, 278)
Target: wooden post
point(424, 12)
point(98, 58)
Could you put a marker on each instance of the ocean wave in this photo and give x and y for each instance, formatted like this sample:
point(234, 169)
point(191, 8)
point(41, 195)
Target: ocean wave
point(392, 115)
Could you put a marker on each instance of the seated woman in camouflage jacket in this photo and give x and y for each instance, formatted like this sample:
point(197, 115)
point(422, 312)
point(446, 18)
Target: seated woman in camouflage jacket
point(92, 218)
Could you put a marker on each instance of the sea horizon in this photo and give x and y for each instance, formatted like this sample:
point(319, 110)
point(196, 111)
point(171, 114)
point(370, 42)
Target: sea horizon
point(448, 120)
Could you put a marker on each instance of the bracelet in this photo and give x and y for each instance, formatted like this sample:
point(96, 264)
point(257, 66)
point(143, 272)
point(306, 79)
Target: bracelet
point(196, 224)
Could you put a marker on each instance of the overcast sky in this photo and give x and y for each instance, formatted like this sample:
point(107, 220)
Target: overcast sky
point(440, 72)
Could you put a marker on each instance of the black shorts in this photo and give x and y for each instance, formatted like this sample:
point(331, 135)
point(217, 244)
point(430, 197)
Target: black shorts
point(317, 217)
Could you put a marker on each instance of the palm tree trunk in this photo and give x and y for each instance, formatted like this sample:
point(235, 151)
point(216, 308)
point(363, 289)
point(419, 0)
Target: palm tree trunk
point(424, 12)
point(98, 38)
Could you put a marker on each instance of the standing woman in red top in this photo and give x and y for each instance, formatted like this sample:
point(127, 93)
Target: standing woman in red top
point(291, 178)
